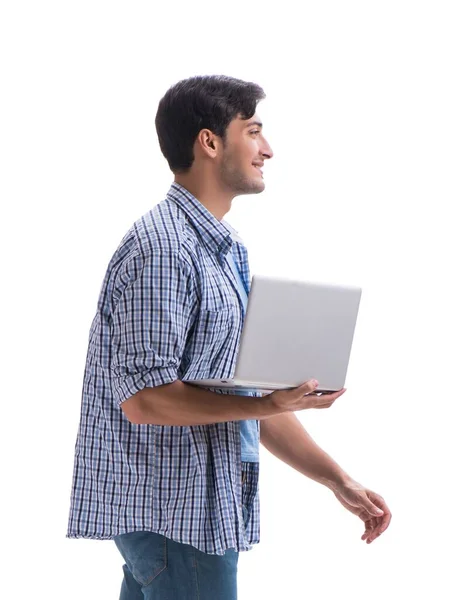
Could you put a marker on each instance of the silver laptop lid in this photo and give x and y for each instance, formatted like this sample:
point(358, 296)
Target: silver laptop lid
point(296, 330)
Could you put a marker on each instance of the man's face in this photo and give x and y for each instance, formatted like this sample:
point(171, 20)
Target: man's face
point(244, 153)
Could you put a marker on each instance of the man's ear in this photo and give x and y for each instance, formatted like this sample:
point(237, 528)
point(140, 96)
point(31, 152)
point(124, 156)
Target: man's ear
point(209, 140)
point(206, 140)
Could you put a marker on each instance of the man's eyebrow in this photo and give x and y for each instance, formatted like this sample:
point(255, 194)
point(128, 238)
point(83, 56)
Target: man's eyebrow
point(257, 123)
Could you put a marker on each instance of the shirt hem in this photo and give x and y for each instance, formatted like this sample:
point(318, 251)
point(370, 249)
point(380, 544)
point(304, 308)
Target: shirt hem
point(110, 537)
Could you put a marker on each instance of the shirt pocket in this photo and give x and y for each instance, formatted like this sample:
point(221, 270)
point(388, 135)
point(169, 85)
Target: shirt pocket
point(213, 343)
point(212, 326)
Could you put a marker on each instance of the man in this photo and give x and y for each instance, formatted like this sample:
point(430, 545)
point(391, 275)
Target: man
point(166, 469)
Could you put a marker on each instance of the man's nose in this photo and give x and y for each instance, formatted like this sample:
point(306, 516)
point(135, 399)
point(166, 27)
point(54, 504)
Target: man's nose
point(266, 150)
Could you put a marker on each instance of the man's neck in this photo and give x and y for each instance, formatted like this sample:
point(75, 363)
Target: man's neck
point(214, 199)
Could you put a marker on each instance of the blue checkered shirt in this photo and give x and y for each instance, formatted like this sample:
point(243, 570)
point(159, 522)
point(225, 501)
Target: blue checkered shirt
point(168, 309)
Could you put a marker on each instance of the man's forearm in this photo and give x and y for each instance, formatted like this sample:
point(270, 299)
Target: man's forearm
point(178, 403)
point(285, 437)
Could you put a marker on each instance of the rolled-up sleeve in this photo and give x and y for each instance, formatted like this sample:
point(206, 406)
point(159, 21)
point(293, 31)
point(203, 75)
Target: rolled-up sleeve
point(150, 321)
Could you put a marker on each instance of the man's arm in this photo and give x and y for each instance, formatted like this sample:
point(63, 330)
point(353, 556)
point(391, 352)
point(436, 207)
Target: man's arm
point(178, 403)
point(285, 437)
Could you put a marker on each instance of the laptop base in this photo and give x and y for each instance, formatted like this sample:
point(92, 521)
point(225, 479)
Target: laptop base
point(250, 386)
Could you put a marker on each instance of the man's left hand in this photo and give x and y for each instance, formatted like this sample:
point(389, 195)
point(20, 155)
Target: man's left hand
point(367, 505)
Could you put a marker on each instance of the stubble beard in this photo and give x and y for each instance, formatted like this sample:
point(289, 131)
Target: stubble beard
point(236, 180)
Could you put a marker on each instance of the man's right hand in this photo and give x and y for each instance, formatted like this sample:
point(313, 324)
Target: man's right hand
point(303, 397)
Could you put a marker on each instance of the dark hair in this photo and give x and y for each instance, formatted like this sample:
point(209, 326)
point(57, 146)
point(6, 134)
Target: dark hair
point(201, 102)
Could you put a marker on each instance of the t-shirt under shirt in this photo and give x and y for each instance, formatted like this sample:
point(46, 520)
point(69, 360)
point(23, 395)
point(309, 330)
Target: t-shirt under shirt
point(249, 433)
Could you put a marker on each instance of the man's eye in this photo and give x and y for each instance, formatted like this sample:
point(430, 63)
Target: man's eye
point(257, 131)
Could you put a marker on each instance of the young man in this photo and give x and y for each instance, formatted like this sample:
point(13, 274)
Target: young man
point(166, 469)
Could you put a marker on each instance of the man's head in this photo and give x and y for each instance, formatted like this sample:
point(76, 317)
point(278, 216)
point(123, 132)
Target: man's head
point(208, 126)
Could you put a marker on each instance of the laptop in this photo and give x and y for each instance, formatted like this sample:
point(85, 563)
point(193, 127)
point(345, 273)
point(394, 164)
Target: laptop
point(294, 331)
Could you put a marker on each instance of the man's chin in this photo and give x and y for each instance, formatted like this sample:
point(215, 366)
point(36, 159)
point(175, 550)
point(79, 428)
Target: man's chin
point(254, 187)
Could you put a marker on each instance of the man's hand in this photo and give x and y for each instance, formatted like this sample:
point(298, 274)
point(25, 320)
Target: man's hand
point(367, 505)
point(303, 397)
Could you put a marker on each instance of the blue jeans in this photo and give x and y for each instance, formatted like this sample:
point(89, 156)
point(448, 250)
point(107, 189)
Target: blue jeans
point(158, 568)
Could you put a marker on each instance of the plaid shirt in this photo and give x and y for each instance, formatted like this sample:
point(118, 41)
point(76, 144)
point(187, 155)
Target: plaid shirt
point(169, 309)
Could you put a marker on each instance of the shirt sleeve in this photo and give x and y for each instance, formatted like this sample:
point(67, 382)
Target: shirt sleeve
point(150, 322)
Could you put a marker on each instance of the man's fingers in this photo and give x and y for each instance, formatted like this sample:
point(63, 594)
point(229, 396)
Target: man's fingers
point(335, 395)
point(307, 388)
point(324, 405)
point(376, 525)
point(327, 400)
point(375, 509)
point(332, 396)
point(305, 396)
point(381, 524)
point(385, 521)
point(380, 503)
point(368, 529)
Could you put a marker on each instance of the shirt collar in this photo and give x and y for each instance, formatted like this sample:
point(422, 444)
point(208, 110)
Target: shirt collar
point(218, 236)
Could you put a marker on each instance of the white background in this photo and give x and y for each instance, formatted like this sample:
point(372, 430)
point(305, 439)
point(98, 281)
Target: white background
point(364, 112)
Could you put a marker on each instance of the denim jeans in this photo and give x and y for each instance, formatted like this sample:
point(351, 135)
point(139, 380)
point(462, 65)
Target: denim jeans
point(158, 568)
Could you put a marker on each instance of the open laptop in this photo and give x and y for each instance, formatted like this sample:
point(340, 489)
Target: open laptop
point(294, 331)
